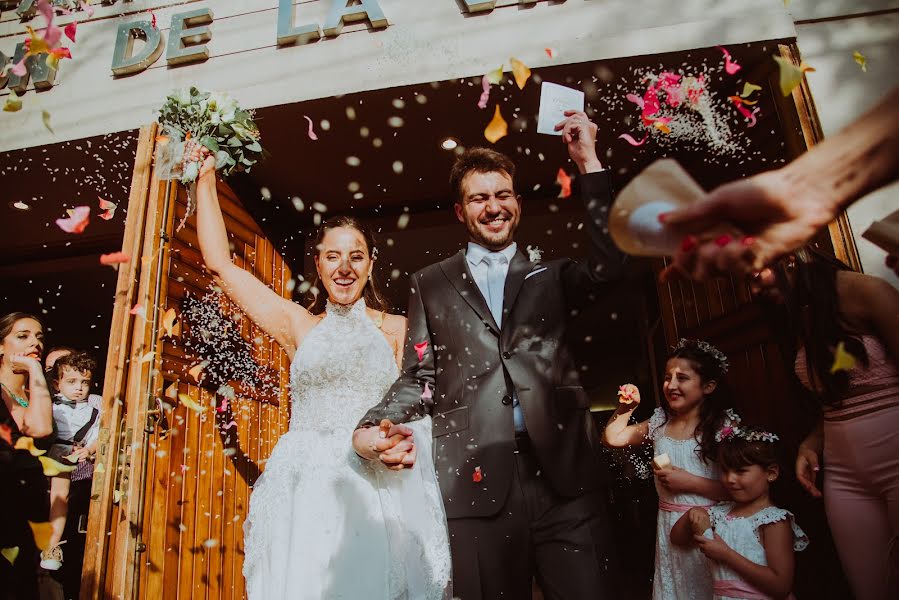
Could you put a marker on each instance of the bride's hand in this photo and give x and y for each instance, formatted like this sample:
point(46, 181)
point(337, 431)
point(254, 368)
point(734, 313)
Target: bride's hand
point(400, 451)
point(204, 155)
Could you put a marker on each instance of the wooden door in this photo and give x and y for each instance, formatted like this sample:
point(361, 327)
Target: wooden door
point(178, 462)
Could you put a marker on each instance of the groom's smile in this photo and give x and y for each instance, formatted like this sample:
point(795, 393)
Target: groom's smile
point(490, 208)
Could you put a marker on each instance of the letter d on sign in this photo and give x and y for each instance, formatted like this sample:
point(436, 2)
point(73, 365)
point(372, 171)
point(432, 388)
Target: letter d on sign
point(124, 62)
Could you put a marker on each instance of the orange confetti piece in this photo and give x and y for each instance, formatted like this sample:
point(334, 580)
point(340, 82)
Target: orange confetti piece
point(171, 392)
point(171, 324)
point(520, 72)
point(477, 476)
point(26, 443)
point(190, 403)
point(107, 206)
point(196, 371)
point(563, 180)
point(551, 52)
point(6, 433)
point(627, 393)
point(162, 139)
point(138, 311)
point(497, 128)
point(662, 126)
point(41, 533)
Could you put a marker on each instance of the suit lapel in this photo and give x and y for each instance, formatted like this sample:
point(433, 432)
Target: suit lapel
point(518, 270)
point(456, 270)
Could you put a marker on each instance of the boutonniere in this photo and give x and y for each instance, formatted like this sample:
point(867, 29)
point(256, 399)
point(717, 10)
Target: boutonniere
point(534, 254)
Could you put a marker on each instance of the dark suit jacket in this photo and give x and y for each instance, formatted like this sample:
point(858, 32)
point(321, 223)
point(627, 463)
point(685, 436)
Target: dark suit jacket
point(472, 366)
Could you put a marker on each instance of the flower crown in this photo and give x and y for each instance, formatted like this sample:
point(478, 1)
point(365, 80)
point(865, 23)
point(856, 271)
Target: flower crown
point(706, 348)
point(733, 430)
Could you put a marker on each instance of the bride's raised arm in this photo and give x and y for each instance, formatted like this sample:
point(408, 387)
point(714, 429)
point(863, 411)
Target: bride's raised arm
point(280, 318)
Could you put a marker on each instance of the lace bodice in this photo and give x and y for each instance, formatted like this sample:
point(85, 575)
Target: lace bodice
point(343, 367)
point(683, 454)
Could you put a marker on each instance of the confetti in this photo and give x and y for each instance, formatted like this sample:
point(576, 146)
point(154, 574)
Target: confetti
point(45, 119)
point(497, 128)
point(627, 393)
point(477, 476)
point(223, 407)
point(70, 30)
point(171, 392)
point(138, 310)
point(427, 394)
point(10, 554)
point(86, 8)
point(521, 72)
point(196, 371)
point(748, 89)
point(636, 100)
point(551, 52)
point(77, 220)
point(630, 139)
point(420, 349)
point(41, 533)
point(191, 404)
point(171, 324)
point(790, 74)
point(109, 209)
point(861, 60)
point(147, 357)
point(495, 76)
point(842, 360)
point(27, 443)
point(662, 125)
point(6, 433)
point(563, 180)
point(114, 258)
point(53, 468)
point(19, 69)
point(229, 425)
point(729, 64)
point(485, 95)
point(310, 131)
point(55, 54)
point(13, 103)
point(36, 45)
point(153, 19)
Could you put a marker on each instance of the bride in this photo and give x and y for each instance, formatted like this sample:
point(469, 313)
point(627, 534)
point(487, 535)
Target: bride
point(322, 522)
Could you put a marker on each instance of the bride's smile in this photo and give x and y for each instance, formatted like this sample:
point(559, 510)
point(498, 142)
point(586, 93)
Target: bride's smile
point(343, 264)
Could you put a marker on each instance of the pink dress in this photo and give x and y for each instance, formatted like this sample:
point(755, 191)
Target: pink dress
point(861, 473)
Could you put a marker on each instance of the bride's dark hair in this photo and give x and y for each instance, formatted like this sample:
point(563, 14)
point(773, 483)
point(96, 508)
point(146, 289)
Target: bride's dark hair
point(372, 293)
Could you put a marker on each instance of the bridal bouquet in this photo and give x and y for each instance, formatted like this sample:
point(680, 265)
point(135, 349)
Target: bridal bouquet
point(192, 116)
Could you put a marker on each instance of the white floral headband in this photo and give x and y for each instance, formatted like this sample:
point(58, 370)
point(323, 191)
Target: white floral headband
point(706, 348)
point(733, 430)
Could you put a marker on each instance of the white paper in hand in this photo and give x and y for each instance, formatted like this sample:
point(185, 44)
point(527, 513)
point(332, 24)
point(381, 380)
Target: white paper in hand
point(554, 101)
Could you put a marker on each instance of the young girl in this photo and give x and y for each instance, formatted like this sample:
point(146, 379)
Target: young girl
point(683, 428)
point(750, 541)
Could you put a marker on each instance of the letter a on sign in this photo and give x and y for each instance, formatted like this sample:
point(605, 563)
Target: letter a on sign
point(340, 13)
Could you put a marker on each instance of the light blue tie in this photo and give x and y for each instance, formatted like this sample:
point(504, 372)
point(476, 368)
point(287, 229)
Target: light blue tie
point(496, 283)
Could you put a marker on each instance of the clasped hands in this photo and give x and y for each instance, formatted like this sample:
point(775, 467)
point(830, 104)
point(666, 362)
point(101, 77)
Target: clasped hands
point(391, 444)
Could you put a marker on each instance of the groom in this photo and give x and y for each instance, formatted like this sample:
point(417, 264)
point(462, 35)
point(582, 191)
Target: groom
point(515, 449)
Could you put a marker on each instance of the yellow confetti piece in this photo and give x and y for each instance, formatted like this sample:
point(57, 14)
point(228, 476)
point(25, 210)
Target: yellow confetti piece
point(521, 72)
point(196, 371)
point(749, 88)
point(53, 468)
point(26, 443)
point(45, 117)
point(663, 127)
point(191, 404)
point(790, 74)
point(37, 45)
point(496, 75)
point(842, 360)
point(861, 59)
point(41, 533)
point(171, 324)
point(10, 554)
point(13, 102)
point(497, 128)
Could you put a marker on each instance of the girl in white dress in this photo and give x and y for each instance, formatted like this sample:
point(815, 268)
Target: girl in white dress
point(324, 524)
point(682, 433)
point(750, 542)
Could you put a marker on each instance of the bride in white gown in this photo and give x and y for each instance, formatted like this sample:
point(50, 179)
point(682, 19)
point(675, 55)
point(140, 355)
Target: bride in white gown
point(323, 523)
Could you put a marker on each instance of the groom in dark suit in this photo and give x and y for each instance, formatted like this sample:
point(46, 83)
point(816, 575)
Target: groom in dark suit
point(515, 448)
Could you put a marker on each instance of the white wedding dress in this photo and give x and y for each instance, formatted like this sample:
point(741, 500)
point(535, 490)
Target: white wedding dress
point(325, 524)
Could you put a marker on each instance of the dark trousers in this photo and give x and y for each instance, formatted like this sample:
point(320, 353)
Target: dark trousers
point(565, 542)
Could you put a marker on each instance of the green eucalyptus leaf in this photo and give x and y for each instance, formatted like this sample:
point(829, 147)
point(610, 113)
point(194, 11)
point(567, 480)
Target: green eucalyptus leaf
point(210, 143)
point(255, 147)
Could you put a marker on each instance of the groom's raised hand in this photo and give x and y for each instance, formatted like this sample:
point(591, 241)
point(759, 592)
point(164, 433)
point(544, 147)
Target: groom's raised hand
point(391, 444)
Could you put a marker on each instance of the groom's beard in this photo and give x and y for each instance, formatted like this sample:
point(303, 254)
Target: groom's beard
point(487, 239)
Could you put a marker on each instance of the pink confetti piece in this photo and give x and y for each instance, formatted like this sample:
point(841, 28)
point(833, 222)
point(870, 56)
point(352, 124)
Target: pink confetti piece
point(635, 99)
point(477, 476)
point(114, 258)
point(86, 8)
point(71, 29)
point(229, 425)
point(77, 221)
point(19, 68)
point(312, 135)
point(420, 349)
point(109, 209)
point(630, 140)
point(551, 52)
point(427, 394)
point(184, 468)
point(224, 406)
point(153, 19)
point(485, 95)
point(138, 310)
point(729, 64)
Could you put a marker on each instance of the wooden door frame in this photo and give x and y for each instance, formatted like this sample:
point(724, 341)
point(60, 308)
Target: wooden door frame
point(115, 506)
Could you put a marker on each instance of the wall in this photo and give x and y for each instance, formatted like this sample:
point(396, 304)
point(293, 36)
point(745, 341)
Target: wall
point(828, 32)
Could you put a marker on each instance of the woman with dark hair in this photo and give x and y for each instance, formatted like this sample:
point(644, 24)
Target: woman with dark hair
point(323, 523)
point(26, 411)
point(835, 313)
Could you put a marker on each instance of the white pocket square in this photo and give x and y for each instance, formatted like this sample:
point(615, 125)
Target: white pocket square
point(534, 272)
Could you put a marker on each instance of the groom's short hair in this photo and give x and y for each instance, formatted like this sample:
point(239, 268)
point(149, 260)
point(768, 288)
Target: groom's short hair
point(478, 160)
